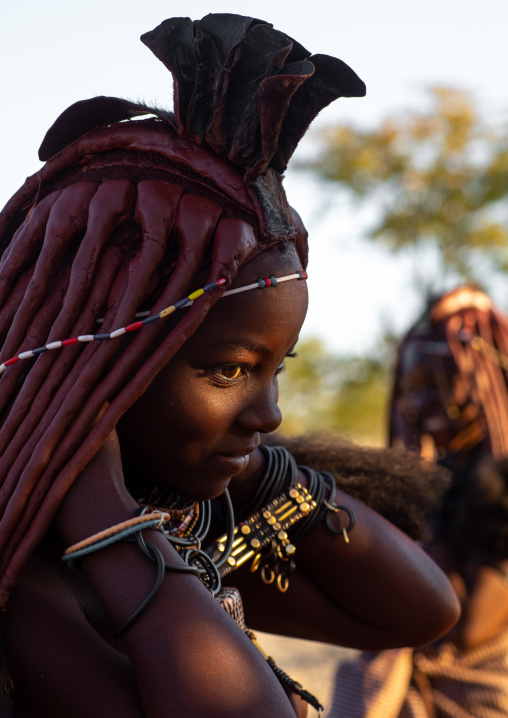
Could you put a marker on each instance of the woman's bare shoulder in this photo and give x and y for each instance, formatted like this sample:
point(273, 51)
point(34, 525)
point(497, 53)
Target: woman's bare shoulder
point(55, 651)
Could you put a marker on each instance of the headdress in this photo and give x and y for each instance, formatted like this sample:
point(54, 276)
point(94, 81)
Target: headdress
point(121, 217)
point(451, 381)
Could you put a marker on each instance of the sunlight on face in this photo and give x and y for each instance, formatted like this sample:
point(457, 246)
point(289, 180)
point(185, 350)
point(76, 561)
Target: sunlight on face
point(196, 425)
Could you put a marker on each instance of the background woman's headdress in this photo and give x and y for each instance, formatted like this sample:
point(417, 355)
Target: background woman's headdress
point(451, 382)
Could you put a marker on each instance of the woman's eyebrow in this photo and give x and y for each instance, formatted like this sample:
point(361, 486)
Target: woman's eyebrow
point(243, 343)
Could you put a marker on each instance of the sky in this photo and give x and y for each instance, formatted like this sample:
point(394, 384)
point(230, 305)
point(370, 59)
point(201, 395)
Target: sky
point(54, 53)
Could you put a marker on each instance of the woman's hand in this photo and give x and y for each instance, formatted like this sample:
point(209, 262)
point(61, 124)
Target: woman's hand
point(483, 591)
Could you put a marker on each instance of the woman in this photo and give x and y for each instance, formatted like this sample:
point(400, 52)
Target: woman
point(450, 398)
point(450, 401)
point(132, 217)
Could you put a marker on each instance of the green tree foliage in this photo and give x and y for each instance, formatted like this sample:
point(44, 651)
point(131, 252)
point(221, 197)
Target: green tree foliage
point(320, 391)
point(440, 176)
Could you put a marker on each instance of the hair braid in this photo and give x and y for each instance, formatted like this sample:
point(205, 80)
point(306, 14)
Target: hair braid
point(36, 394)
point(12, 384)
point(10, 306)
point(457, 352)
point(81, 270)
point(46, 431)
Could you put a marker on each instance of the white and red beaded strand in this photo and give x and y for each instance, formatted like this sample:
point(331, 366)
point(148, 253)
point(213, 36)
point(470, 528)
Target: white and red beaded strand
point(185, 302)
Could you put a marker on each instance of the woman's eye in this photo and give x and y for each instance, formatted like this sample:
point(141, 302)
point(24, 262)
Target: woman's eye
point(231, 372)
point(227, 374)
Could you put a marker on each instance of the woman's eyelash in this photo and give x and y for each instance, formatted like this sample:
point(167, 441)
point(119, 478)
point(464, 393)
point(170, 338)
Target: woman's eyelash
point(282, 365)
point(238, 370)
point(219, 373)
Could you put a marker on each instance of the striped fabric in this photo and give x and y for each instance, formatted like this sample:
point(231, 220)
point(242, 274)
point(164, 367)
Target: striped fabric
point(440, 683)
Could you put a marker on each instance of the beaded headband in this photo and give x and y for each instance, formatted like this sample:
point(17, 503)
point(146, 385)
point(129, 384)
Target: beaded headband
point(182, 303)
point(259, 284)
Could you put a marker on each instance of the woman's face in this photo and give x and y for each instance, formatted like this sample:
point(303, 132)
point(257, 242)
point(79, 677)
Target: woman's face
point(202, 416)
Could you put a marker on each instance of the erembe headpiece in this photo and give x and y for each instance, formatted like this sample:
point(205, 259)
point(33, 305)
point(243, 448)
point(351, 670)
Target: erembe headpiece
point(123, 216)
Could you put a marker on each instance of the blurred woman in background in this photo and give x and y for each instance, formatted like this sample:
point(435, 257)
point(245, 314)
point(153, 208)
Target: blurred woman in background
point(450, 403)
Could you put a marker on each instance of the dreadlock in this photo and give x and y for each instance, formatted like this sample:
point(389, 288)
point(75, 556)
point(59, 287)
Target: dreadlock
point(451, 378)
point(123, 216)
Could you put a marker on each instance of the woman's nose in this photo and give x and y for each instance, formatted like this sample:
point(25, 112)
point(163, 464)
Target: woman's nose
point(262, 412)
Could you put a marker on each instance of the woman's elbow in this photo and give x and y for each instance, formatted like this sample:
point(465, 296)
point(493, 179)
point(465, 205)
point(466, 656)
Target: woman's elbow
point(440, 613)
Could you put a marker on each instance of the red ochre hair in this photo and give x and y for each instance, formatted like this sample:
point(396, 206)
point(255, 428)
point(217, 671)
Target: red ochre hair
point(122, 217)
point(451, 381)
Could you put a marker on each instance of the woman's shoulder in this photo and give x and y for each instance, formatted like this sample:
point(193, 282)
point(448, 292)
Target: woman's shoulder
point(57, 646)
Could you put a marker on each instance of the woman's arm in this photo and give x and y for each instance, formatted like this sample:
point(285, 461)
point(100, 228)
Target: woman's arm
point(483, 593)
point(379, 591)
point(187, 654)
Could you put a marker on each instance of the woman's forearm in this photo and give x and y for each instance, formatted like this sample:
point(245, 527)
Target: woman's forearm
point(380, 578)
point(184, 645)
point(379, 591)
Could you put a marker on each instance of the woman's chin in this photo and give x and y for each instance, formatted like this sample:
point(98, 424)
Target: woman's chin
point(206, 482)
point(208, 492)
point(203, 489)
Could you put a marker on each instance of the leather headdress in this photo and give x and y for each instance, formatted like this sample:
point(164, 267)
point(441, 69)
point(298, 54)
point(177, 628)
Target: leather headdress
point(241, 89)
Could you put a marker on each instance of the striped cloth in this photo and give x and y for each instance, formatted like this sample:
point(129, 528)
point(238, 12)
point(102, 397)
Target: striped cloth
point(438, 683)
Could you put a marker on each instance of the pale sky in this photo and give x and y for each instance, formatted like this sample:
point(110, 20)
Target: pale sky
point(54, 53)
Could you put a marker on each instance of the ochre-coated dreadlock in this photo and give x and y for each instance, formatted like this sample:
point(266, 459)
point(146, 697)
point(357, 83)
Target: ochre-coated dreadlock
point(123, 216)
point(451, 379)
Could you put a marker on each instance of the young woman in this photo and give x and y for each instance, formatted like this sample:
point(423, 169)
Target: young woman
point(118, 428)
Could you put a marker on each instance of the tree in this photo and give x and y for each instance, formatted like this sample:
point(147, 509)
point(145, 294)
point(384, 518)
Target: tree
point(439, 176)
point(321, 391)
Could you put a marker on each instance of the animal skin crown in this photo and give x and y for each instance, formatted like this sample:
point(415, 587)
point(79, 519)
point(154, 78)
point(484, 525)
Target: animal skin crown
point(244, 90)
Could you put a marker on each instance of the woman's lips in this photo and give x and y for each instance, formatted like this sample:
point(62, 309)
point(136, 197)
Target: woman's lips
point(235, 461)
